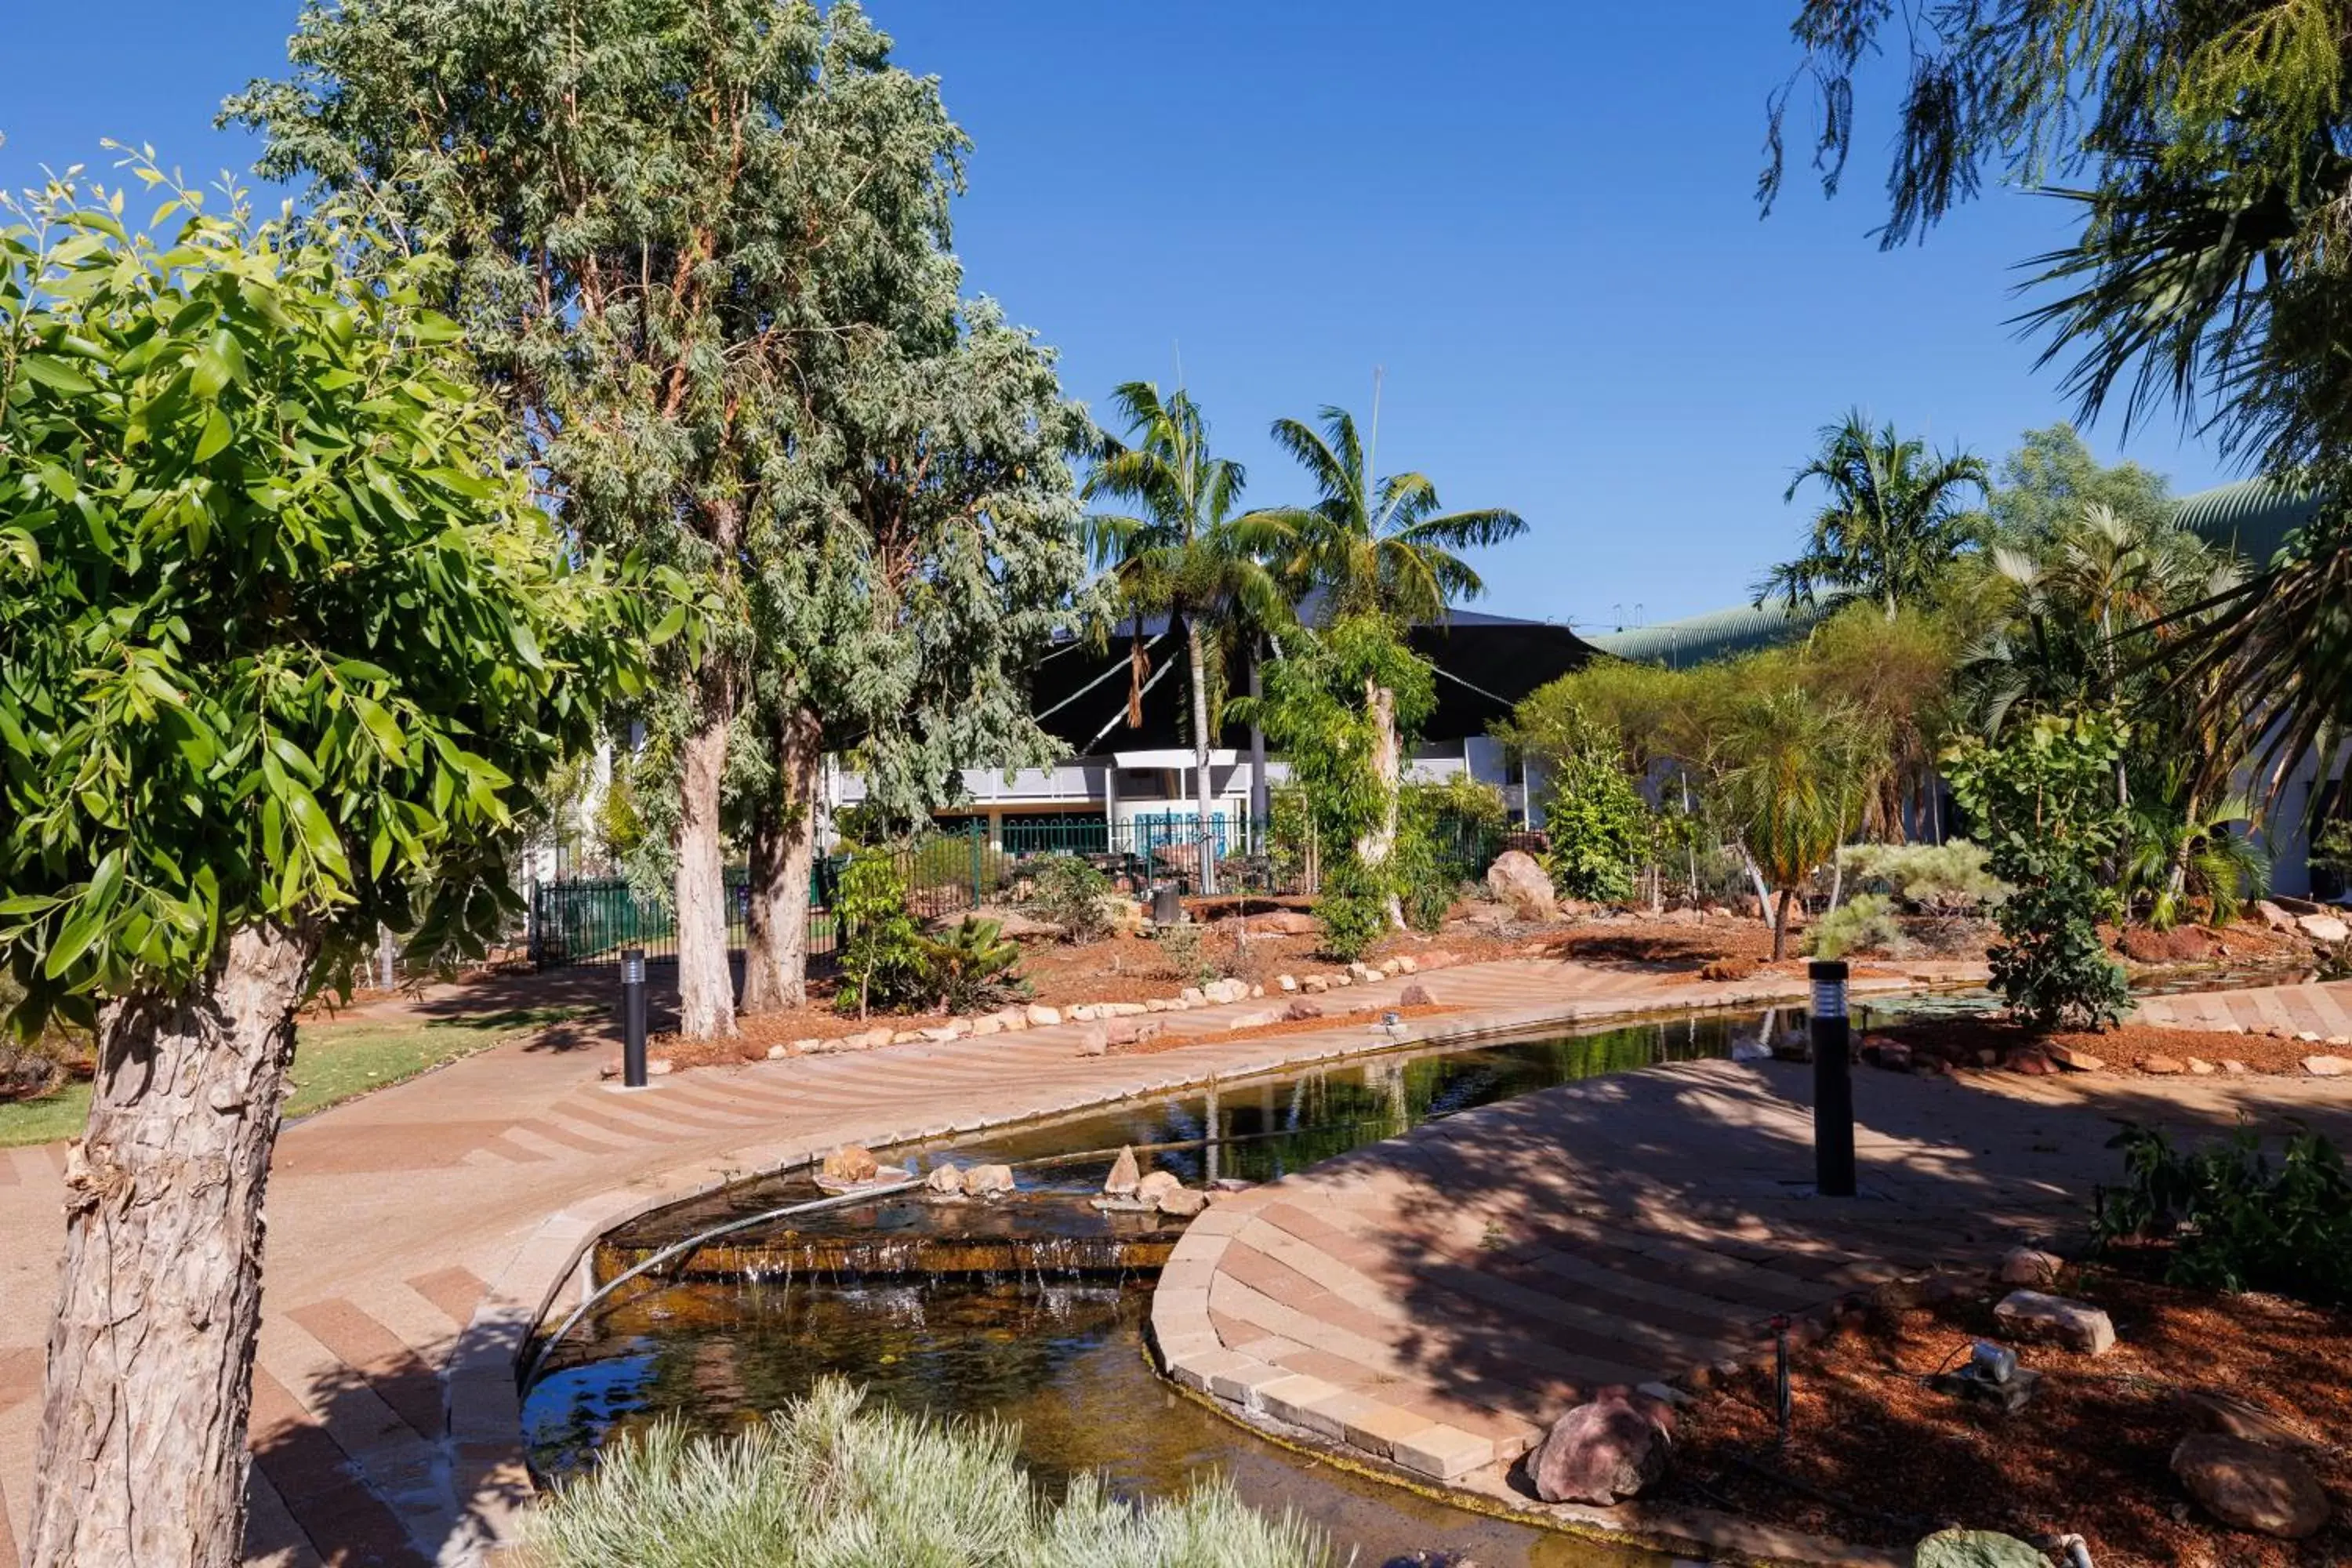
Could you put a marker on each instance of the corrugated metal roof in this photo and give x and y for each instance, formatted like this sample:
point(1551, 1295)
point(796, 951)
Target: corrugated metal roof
point(2251, 517)
point(1694, 639)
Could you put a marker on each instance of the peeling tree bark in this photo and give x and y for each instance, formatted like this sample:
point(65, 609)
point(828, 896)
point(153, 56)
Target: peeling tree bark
point(1376, 848)
point(705, 990)
point(783, 851)
point(150, 1356)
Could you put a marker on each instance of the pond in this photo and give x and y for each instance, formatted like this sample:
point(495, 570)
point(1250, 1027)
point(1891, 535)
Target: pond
point(1032, 1309)
point(920, 1301)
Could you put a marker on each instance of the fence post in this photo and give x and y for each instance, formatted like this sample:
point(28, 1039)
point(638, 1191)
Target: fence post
point(976, 843)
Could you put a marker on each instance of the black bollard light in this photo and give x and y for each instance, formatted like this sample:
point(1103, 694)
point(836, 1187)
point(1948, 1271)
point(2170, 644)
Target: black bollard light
point(1833, 1037)
point(633, 1017)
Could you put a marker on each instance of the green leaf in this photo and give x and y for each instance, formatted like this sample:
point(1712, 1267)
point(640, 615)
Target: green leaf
point(81, 931)
point(668, 626)
point(215, 437)
point(55, 374)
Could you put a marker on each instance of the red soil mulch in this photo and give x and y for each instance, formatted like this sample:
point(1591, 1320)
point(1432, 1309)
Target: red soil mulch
point(1964, 1044)
point(1880, 1458)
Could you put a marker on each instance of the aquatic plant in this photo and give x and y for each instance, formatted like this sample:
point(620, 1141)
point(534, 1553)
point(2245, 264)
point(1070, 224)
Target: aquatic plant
point(828, 1480)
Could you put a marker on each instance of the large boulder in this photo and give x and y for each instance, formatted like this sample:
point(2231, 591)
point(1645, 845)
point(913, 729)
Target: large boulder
point(2270, 915)
point(1521, 886)
point(2248, 1486)
point(1976, 1549)
point(988, 1181)
point(1602, 1452)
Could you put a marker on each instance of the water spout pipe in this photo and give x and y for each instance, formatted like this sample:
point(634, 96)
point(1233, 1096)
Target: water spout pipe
point(844, 1200)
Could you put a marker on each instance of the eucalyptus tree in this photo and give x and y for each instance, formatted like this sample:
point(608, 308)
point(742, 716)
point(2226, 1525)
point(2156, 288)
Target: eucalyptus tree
point(704, 254)
point(1381, 546)
point(1185, 552)
point(284, 650)
point(1891, 523)
point(2206, 150)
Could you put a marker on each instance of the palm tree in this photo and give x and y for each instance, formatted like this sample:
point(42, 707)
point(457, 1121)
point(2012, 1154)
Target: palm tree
point(1892, 523)
point(1381, 547)
point(1183, 552)
point(1798, 773)
point(1376, 545)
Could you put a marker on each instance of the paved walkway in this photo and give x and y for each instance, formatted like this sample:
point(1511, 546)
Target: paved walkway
point(417, 1236)
point(1437, 1299)
point(2319, 1013)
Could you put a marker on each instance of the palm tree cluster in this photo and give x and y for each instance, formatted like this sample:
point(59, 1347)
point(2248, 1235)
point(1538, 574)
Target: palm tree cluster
point(2068, 592)
point(1242, 581)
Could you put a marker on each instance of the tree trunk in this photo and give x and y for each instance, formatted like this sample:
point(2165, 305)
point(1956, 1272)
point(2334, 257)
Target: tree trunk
point(783, 852)
point(1837, 876)
point(1780, 927)
point(142, 1437)
point(1261, 797)
point(705, 991)
point(1200, 750)
point(1376, 848)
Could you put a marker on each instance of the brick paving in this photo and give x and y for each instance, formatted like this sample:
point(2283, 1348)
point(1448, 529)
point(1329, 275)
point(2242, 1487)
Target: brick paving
point(2321, 1013)
point(1437, 1299)
point(418, 1235)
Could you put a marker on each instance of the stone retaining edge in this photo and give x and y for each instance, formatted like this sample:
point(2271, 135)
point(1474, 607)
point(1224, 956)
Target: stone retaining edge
point(490, 1475)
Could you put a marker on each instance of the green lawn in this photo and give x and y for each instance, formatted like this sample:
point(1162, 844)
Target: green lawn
point(332, 1062)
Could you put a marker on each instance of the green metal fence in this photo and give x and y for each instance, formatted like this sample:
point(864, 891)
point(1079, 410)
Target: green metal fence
point(960, 867)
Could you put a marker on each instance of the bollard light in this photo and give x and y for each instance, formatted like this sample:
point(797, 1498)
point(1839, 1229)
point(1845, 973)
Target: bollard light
point(633, 1017)
point(1833, 1036)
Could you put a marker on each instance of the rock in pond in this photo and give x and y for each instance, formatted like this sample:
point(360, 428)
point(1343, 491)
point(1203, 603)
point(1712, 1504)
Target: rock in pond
point(1182, 1203)
point(945, 1180)
point(1124, 1175)
point(851, 1163)
point(2248, 1486)
point(1156, 1185)
point(987, 1181)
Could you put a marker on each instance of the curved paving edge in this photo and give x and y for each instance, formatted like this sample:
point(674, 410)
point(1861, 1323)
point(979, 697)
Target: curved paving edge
point(490, 1477)
point(1434, 1301)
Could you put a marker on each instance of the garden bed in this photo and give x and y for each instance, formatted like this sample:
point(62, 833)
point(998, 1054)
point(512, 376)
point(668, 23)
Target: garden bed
point(1877, 1457)
point(1964, 1044)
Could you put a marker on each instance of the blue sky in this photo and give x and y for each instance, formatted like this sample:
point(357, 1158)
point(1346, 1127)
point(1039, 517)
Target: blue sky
point(1535, 220)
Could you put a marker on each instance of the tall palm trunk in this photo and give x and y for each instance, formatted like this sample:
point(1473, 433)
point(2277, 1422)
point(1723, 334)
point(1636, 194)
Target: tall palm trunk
point(142, 1439)
point(1200, 749)
point(1781, 926)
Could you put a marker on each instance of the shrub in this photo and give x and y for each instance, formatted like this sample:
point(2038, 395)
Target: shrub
point(1935, 878)
point(2236, 1221)
point(2045, 797)
point(1599, 824)
point(1070, 893)
point(826, 1481)
point(1864, 923)
point(1352, 909)
point(882, 962)
point(1184, 953)
point(972, 967)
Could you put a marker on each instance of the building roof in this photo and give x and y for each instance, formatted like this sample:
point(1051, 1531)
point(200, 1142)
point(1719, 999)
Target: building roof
point(1486, 664)
point(2251, 517)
